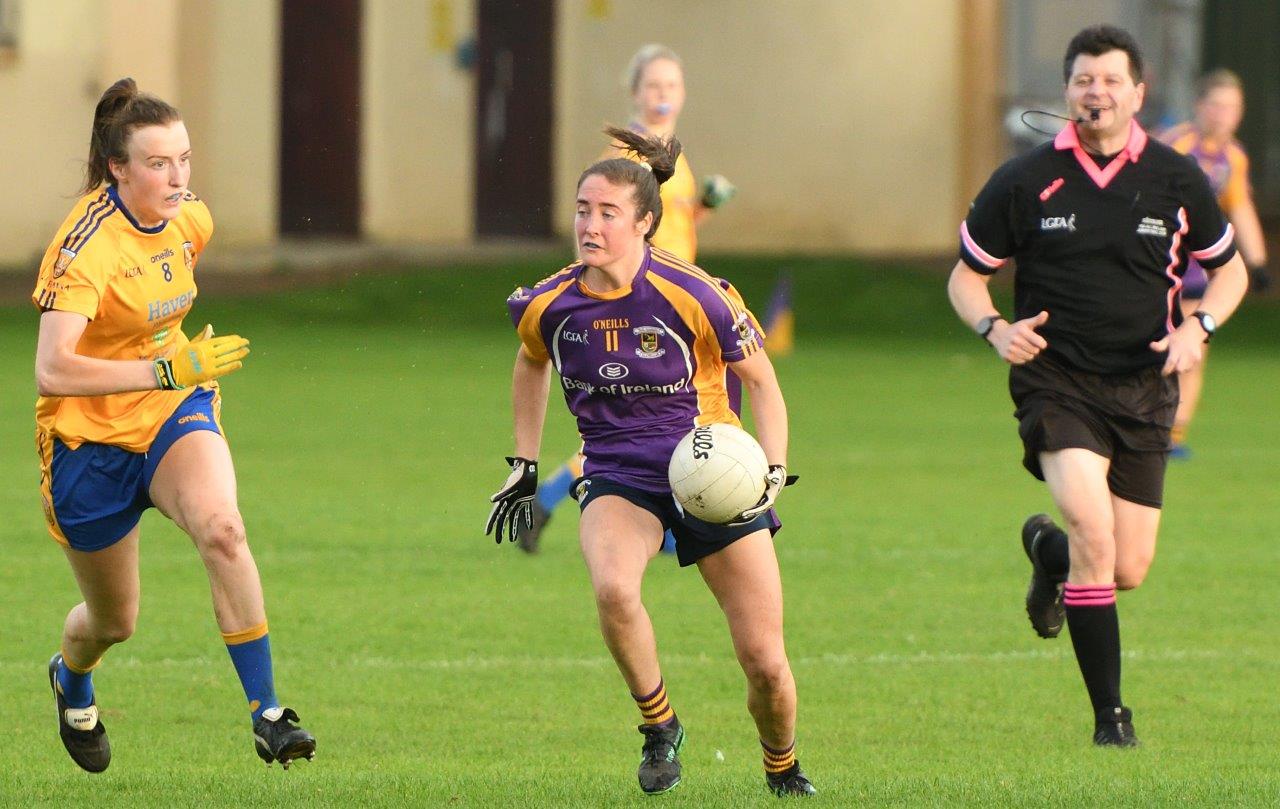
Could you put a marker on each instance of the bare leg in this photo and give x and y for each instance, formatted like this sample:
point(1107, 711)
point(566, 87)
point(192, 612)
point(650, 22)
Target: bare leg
point(108, 581)
point(1136, 527)
point(745, 581)
point(195, 486)
point(1077, 480)
point(618, 539)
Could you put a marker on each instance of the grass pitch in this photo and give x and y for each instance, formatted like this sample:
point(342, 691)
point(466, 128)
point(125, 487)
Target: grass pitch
point(435, 669)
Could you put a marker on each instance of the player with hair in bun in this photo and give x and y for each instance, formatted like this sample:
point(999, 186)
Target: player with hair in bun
point(655, 77)
point(642, 343)
point(128, 416)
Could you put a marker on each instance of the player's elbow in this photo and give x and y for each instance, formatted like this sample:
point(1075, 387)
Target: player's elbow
point(47, 380)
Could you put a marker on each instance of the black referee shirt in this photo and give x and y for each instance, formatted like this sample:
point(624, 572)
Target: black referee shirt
point(1102, 250)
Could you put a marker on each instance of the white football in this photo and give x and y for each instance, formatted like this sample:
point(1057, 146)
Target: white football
point(717, 472)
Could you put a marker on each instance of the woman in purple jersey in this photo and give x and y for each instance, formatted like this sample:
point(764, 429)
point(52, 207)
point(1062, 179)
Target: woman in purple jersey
point(642, 342)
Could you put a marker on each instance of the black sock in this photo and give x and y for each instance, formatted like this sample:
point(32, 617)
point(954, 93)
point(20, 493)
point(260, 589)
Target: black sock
point(1055, 557)
point(1095, 634)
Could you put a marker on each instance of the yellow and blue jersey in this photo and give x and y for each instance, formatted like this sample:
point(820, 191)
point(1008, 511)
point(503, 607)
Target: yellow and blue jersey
point(642, 365)
point(676, 233)
point(134, 284)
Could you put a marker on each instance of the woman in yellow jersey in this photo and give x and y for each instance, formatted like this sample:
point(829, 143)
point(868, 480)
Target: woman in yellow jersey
point(1209, 138)
point(656, 80)
point(128, 415)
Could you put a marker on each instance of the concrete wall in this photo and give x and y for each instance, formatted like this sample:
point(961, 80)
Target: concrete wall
point(229, 94)
point(217, 62)
point(48, 87)
point(418, 119)
point(838, 121)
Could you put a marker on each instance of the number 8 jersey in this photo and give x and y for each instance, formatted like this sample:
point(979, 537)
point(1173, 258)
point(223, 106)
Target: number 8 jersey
point(642, 365)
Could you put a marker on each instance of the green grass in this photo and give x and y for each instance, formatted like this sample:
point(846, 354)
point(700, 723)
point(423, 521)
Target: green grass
point(436, 669)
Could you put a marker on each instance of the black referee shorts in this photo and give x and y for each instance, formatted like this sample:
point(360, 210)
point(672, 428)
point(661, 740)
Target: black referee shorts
point(694, 538)
point(1124, 417)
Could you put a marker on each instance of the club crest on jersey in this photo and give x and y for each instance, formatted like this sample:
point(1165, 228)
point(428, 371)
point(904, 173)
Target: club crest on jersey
point(189, 255)
point(648, 335)
point(746, 332)
point(520, 294)
point(65, 257)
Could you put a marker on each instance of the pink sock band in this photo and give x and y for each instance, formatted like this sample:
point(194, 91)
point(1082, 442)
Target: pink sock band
point(1089, 595)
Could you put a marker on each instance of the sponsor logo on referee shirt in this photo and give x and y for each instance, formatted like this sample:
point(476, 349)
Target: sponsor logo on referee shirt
point(1150, 226)
point(1067, 223)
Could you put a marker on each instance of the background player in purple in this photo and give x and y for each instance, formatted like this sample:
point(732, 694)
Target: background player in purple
point(1209, 139)
point(642, 343)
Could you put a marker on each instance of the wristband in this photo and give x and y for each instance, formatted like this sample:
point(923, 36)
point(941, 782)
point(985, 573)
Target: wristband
point(164, 375)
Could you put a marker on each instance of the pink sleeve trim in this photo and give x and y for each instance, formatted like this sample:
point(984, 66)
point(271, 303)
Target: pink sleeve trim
point(977, 252)
point(1217, 248)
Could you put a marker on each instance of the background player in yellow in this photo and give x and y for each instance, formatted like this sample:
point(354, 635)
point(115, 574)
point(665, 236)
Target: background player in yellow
point(1210, 138)
point(128, 416)
point(656, 79)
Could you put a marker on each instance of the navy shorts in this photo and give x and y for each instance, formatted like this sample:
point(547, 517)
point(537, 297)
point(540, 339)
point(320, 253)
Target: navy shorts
point(95, 494)
point(694, 538)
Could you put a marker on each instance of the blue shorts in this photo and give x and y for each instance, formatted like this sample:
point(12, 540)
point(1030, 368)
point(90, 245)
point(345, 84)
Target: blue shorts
point(694, 538)
point(95, 494)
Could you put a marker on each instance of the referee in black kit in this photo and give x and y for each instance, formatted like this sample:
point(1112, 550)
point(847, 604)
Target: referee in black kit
point(1100, 222)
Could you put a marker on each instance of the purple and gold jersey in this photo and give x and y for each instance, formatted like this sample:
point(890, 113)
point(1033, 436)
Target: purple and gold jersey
point(1226, 166)
point(642, 365)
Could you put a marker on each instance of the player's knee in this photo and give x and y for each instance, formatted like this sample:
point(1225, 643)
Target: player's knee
point(1092, 539)
point(1131, 575)
point(223, 537)
point(767, 672)
point(616, 598)
point(118, 626)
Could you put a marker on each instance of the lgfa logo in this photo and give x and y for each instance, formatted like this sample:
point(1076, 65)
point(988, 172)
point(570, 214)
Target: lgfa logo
point(1067, 223)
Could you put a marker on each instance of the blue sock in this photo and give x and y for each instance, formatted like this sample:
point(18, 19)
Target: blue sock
point(76, 688)
point(555, 488)
point(668, 542)
point(250, 652)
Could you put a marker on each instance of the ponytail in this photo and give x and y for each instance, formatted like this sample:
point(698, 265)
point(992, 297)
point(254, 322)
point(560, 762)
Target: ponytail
point(121, 110)
point(655, 164)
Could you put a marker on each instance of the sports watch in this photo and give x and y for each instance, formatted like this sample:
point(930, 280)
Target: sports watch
point(1207, 323)
point(987, 324)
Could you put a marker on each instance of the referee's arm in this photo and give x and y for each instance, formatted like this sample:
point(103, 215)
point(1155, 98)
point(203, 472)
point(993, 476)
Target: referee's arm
point(1185, 344)
point(1016, 342)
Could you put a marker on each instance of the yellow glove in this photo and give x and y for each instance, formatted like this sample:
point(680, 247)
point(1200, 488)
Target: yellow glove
point(204, 358)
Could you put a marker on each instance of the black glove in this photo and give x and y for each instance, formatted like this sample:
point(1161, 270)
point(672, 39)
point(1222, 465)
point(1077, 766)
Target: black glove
point(776, 478)
point(1259, 279)
point(514, 500)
